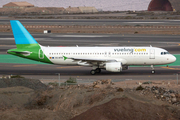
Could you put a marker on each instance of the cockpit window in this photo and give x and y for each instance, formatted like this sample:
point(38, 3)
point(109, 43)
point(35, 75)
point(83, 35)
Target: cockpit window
point(164, 53)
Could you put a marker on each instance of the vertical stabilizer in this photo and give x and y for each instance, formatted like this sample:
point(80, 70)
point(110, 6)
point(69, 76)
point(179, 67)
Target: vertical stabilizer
point(22, 37)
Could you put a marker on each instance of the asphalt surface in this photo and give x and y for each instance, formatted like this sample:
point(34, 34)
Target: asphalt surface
point(170, 43)
point(96, 22)
point(48, 72)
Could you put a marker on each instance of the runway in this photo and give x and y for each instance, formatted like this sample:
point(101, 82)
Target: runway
point(48, 72)
point(168, 42)
point(96, 22)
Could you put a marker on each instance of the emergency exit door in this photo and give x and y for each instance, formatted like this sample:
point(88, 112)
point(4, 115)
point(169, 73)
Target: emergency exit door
point(152, 54)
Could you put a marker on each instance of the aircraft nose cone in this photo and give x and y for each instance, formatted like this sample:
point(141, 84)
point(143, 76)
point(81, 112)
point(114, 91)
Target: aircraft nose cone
point(173, 58)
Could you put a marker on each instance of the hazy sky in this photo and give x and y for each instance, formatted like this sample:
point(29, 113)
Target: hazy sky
point(99, 4)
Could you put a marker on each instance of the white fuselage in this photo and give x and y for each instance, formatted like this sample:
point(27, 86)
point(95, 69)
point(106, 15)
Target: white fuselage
point(125, 55)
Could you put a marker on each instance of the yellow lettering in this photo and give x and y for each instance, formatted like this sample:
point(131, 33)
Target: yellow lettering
point(139, 50)
point(144, 50)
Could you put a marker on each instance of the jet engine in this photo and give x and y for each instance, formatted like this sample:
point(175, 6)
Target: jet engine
point(114, 66)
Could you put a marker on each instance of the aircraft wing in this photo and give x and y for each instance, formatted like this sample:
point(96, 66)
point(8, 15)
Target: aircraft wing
point(93, 60)
point(90, 60)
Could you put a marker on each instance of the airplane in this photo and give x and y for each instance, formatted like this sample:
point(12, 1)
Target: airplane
point(113, 59)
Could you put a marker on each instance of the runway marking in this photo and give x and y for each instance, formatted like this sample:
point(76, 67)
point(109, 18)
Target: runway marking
point(174, 20)
point(144, 22)
point(3, 45)
point(70, 67)
point(6, 38)
point(79, 36)
point(23, 65)
point(171, 68)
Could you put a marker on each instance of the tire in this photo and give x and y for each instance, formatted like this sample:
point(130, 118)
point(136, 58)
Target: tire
point(153, 71)
point(98, 70)
point(93, 72)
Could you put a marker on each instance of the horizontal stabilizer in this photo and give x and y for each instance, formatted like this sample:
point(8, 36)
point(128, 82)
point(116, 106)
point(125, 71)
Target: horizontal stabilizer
point(25, 53)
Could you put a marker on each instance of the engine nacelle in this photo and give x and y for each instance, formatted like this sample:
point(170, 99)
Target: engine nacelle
point(114, 66)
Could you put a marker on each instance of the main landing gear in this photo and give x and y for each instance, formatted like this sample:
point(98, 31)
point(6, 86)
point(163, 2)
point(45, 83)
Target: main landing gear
point(97, 70)
point(153, 71)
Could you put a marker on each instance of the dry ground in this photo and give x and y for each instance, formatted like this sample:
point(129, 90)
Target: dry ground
point(105, 102)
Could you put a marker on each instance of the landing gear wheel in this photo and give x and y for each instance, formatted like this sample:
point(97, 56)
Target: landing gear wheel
point(98, 70)
point(93, 72)
point(153, 71)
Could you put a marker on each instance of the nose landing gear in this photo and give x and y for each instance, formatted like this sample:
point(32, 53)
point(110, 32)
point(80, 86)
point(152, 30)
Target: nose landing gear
point(153, 71)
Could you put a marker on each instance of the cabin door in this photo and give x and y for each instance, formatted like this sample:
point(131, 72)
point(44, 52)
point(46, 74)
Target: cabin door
point(152, 54)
